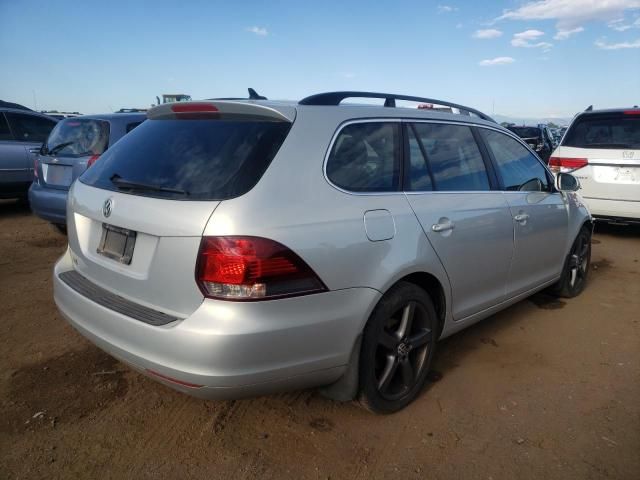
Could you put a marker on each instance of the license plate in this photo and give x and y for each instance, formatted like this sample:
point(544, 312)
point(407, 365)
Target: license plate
point(117, 243)
point(57, 174)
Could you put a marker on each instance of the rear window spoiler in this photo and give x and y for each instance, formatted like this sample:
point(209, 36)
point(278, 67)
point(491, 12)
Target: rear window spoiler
point(222, 109)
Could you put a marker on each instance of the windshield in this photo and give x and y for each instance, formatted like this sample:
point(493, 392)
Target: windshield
point(526, 132)
point(610, 130)
point(78, 137)
point(189, 159)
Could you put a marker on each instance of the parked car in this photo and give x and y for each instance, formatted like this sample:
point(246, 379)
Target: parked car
point(22, 132)
point(539, 138)
point(236, 248)
point(73, 146)
point(602, 149)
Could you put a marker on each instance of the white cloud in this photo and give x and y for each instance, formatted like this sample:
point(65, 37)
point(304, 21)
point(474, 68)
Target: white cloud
point(446, 9)
point(620, 26)
point(260, 31)
point(496, 61)
point(571, 13)
point(564, 34)
point(348, 75)
point(528, 38)
point(617, 46)
point(489, 33)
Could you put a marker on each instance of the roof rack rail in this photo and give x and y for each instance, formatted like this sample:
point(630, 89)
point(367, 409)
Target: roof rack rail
point(131, 110)
point(334, 98)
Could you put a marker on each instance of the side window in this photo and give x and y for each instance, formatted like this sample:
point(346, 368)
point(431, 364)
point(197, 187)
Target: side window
point(131, 126)
point(453, 157)
point(30, 128)
point(419, 176)
point(519, 169)
point(5, 133)
point(365, 157)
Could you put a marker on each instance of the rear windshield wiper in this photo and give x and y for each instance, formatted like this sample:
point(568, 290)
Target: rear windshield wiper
point(57, 148)
point(121, 183)
point(608, 145)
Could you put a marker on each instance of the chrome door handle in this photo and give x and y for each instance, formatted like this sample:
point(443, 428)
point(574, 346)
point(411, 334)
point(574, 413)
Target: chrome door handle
point(443, 227)
point(521, 217)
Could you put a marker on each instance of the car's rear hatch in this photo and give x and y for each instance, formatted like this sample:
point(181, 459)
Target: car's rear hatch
point(606, 149)
point(71, 146)
point(135, 218)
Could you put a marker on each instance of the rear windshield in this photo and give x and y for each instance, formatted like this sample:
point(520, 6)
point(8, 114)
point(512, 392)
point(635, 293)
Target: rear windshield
point(526, 132)
point(189, 159)
point(78, 137)
point(616, 130)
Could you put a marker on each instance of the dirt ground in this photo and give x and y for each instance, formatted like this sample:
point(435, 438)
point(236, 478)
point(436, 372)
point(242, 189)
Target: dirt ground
point(546, 389)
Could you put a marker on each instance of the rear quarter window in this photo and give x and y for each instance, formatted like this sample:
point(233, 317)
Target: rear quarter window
point(190, 159)
point(365, 157)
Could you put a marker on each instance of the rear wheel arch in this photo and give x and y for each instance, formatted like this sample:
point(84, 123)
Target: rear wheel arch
point(434, 288)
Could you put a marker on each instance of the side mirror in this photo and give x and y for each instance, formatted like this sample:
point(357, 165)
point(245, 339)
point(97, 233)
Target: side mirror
point(565, 182)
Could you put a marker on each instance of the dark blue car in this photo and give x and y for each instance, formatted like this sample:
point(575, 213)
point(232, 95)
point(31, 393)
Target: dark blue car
point(72, 147)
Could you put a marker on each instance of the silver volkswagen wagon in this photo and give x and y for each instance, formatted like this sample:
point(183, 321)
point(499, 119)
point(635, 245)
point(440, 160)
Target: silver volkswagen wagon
point(232, 248)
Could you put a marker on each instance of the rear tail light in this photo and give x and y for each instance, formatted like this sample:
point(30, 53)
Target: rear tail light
point(252, 268)
point(632, 112)
point(35, 168)
point(92, 160)
point(564, 165)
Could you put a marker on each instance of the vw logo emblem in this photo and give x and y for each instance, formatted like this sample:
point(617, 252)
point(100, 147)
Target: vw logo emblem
point(107, 207)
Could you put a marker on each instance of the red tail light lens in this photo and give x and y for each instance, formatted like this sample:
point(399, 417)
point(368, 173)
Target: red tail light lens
point(92, 160)
point(562, 164)
point(252, 268)
point(632, 112)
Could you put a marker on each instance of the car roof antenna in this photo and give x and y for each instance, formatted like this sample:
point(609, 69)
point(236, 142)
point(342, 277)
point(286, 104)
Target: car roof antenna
point(253, 95)
point(589, 108)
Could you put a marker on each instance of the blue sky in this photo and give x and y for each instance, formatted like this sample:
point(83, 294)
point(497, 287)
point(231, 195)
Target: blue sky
point(519, 58)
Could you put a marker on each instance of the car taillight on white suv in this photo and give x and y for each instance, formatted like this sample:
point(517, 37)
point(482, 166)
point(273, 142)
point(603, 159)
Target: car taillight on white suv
point(252, 268)
point(565, 165)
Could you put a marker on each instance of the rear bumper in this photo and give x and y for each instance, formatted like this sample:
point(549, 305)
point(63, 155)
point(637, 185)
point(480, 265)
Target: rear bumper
point(49, 204)
point(614, 209)
point(230, 349)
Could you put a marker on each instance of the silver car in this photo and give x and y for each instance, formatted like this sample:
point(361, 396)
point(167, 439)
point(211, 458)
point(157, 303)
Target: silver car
point(237, 248)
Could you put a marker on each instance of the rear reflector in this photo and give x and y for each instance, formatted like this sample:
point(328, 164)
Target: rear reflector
point(172, 380)
point(563, 164)
point(252, 268)
point(92, 160)
point(193, 108)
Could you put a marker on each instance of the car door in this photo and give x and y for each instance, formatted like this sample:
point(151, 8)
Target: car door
point(539, 212)
point(469, 224)
point(13, 157)
point(29, 132)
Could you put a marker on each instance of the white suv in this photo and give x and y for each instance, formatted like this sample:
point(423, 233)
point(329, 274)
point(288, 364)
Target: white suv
point(602, 149)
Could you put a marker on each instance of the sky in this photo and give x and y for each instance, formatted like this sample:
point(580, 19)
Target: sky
point(540, 58)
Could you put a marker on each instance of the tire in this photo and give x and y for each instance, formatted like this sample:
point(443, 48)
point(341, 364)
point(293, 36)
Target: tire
point(397, 349)
point(576, 267)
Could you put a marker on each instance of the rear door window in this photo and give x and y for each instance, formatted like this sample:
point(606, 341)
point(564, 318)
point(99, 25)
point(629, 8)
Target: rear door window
point(453, 158)
point(366, 157)
point(29, 128)
point(189, 159)
point(5, 133)
point(519, 169)
point(606, 130)
point(79, 137)
point(131, 126)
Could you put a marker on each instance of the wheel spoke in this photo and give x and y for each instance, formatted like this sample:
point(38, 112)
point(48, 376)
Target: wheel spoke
point(407, 319)
point(387, 374)
point(574, 274)
point(407, 373)
point(421, 338)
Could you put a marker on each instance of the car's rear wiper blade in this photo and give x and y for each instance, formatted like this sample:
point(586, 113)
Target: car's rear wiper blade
point(57, 148)
point(609, 145)
point(119, 182)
